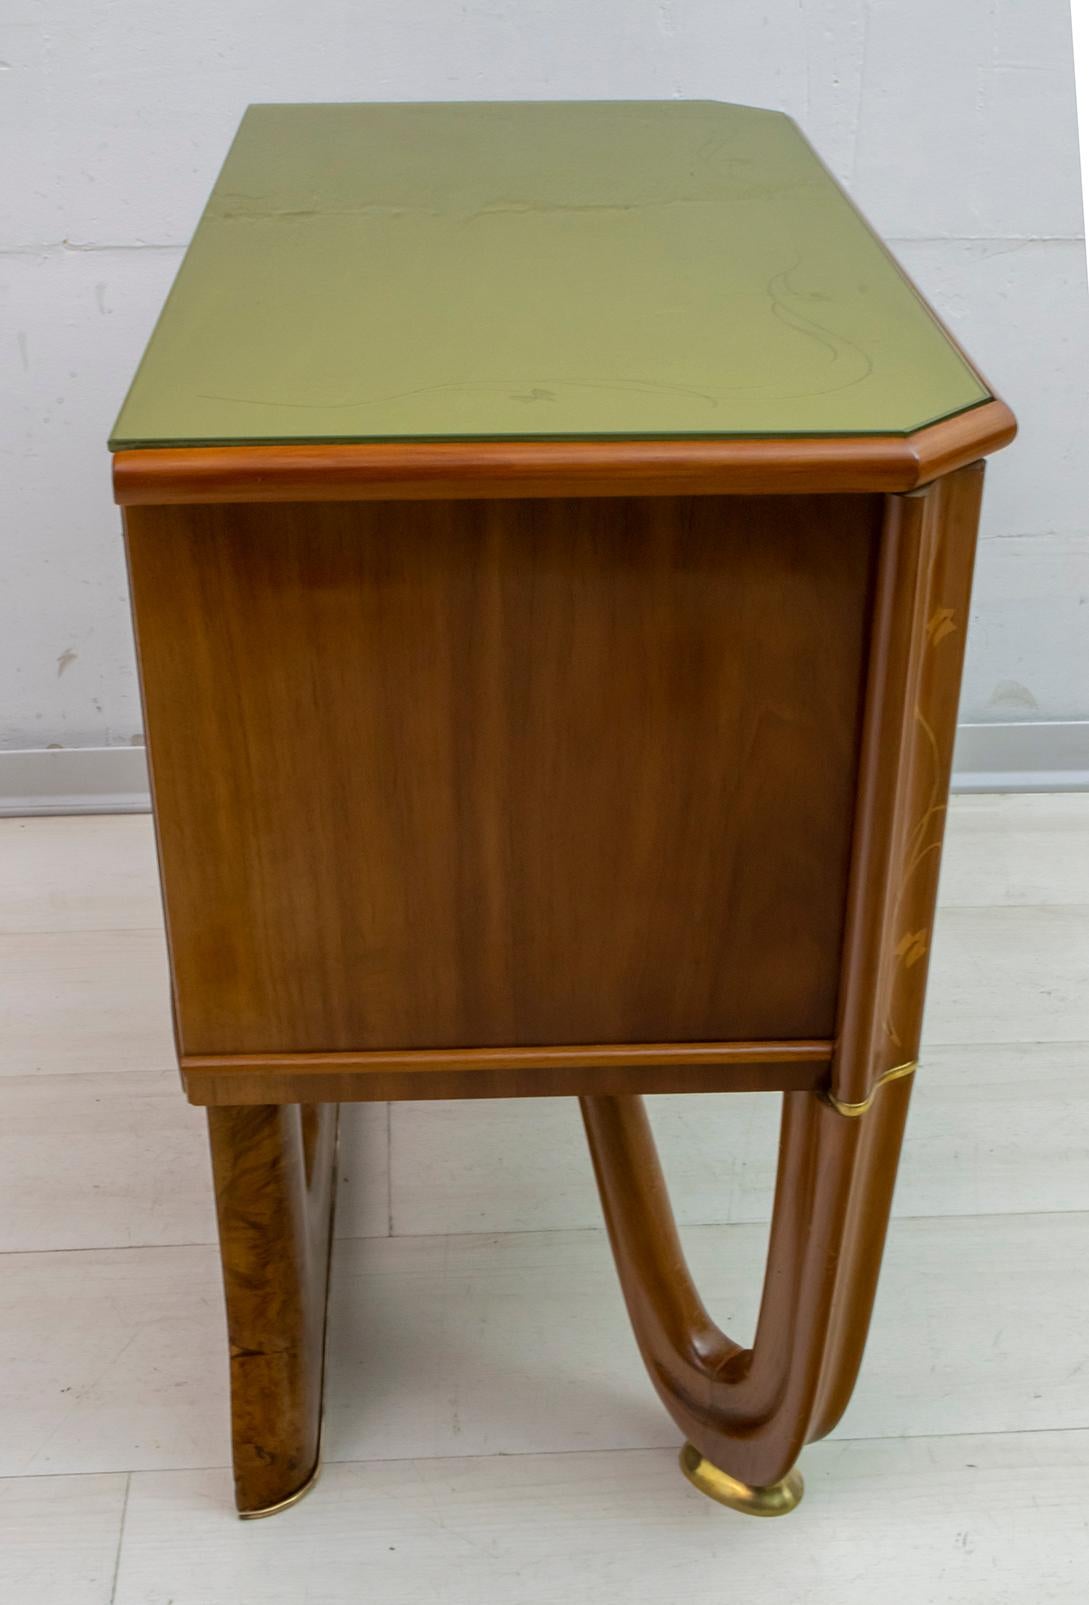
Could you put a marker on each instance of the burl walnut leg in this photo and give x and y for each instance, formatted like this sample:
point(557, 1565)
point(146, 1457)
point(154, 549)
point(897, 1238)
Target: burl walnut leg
point(747, 1413)
point(274, 1170)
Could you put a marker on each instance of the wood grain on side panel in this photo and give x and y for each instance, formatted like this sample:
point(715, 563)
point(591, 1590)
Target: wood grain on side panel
point(495, 774)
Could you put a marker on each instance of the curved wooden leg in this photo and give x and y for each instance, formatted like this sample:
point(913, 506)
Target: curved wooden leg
point(274, 1170)
point(748, 1412)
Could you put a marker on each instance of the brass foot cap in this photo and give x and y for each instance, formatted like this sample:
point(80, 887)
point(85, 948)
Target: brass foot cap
point(778, 1499)
point(282, 1504)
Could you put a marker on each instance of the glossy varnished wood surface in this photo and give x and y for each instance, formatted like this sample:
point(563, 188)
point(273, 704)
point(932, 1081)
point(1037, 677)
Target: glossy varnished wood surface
point(750, 1410)
point(448, 470)
point(572, 708)
point(501, 774)
point(507, 1072)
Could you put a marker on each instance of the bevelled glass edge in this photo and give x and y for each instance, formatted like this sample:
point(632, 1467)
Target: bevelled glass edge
point(120, 443)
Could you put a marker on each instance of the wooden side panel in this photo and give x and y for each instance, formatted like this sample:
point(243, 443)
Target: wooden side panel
point(920, 628)
point(480, 774)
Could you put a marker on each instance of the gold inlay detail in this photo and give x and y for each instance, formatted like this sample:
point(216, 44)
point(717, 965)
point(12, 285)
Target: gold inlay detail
point(853, 1110)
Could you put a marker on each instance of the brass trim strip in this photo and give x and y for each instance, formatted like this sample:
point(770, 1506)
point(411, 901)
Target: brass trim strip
point(853, 1110)
point(284, 1504)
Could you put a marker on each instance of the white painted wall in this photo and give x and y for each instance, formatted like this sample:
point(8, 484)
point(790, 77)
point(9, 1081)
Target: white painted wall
point(951, 121)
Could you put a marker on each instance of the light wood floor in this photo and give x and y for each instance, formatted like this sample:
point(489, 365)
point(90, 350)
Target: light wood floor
point(483, 1442)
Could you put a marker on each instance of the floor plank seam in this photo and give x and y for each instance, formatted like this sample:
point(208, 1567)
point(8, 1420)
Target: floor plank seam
point(120, 1537)
point(389, 1170)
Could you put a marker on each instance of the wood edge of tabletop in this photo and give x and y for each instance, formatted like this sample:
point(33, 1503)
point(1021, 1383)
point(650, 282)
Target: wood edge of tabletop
point(472, 469)
point(516, 1072)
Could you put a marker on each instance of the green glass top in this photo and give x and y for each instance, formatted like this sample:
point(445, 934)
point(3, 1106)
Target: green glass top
point(640, 268)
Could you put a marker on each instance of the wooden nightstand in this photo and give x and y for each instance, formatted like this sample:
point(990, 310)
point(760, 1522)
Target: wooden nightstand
point(550, 530)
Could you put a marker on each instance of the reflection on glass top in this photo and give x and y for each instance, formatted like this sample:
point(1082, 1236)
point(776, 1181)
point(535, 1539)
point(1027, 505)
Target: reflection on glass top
point(564, 269)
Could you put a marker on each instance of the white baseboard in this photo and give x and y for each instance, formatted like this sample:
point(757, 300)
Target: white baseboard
point(1051, 755)
point(74, 780)
point(113, 780)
